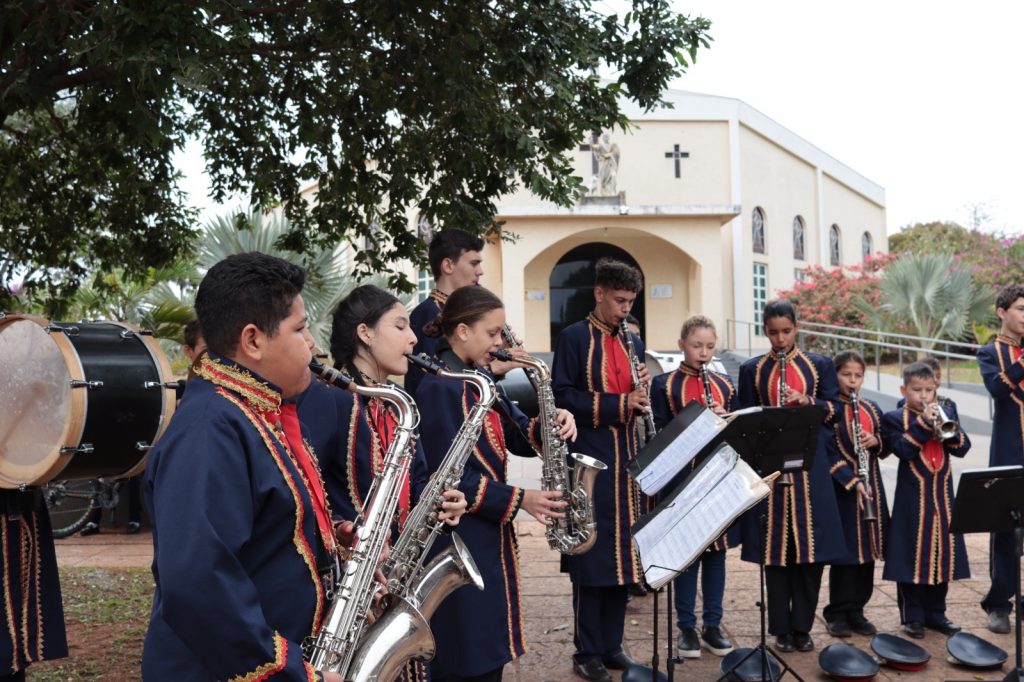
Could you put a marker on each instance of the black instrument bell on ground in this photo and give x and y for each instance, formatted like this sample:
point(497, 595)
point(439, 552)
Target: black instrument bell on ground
point(974, 652)
point(846, 662)
point(899, 653)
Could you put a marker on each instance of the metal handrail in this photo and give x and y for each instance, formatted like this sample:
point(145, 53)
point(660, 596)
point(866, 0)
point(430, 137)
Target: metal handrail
point(808, 329)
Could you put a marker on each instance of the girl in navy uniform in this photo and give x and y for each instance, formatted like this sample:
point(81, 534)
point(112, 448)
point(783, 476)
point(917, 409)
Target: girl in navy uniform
point(922, 555)
point(851, 583)
point(670, 393)
point(804, 531)
point(477, 634)
point(370, 338)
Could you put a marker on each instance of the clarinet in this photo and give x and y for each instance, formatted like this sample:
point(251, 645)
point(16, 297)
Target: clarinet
point(863, 458)
point(780, 358)
point(645, 428)
point(705, 378)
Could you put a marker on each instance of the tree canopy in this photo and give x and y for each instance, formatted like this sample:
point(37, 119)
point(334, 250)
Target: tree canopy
point(384, 104)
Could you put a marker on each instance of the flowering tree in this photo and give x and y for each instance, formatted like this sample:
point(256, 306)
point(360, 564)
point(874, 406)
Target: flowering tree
point(829, 296)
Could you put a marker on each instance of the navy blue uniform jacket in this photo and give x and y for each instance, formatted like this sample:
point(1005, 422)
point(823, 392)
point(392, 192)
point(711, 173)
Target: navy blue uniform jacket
point(606, 430)
point(478, 632)
point(425, 312)
point(805, 511)
point(1002, 370)
point(236, 546)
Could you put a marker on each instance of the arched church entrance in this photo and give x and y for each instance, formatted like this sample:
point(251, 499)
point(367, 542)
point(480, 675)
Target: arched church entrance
point(571, 285)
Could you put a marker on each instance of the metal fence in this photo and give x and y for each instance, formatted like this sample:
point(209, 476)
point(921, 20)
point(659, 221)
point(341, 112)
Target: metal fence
point(871, 343)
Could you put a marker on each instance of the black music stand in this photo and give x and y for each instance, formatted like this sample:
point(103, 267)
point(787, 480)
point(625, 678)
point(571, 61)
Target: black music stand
point(773, 439)
point(992, 501)
point(769, 439)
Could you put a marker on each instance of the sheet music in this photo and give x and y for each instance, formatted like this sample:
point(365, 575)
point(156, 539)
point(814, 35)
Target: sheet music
point(680, 452)
point(698, 514)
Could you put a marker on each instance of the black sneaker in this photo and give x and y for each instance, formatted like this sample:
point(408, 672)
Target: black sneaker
point(945, 626)
point(803, 641)
point(90, 529)
point(688, 643)
point(863, 626)
point(784, 643)
point(133, 527)
point(914, 629)
point(838, 628)
point(715, 641)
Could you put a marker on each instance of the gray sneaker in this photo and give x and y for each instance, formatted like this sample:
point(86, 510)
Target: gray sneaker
point(688, 643)
point(999, 622)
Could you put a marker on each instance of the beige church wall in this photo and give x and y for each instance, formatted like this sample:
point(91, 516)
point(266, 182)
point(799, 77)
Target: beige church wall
point(669, 251)
point(647, 177)
point(854, 214)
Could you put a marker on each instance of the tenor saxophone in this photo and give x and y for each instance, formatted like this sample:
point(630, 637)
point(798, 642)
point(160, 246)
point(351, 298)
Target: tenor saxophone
point(416, 588)
point(576, 532)
point(334, 647)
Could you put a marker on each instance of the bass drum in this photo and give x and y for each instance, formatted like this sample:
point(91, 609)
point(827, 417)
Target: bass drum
point(78, 400)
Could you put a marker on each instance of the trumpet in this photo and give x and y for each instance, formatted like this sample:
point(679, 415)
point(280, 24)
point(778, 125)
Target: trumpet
point(943, 426)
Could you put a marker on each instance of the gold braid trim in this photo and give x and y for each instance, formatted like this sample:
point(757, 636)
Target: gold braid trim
point(267, 669)
point(298, 538)
point(12, 627)
point(256, 393)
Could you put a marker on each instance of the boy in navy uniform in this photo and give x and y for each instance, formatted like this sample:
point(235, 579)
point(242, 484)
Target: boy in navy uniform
point(922, 556)
point(591, 377)
point(244, 547)
point(1002, 370)
point(455, 261)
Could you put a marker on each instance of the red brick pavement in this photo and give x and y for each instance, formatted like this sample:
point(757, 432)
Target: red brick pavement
point(548, 617)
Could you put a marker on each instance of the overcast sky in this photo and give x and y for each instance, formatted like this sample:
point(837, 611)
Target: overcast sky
point(924, 98)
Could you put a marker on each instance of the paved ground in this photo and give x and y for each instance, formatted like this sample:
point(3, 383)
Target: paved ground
point(547, 594)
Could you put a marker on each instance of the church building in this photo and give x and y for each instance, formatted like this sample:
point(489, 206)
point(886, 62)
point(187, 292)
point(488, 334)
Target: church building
point(718, 205)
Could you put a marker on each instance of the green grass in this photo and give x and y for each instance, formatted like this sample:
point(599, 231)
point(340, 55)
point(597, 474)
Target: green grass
point(963, 371)
point(106, 612)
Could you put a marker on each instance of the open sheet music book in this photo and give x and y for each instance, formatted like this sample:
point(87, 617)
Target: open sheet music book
point(681, 527)
point(676, 445)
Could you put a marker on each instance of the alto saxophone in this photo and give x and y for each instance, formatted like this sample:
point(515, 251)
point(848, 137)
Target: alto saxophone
point(576, 532)
point(645, 428)
point(863, 458)
point(416, 589)
point(334, 646)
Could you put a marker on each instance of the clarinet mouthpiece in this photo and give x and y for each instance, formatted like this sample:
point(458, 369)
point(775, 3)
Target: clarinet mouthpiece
point(329, 374)
point(503, 355)
point(426, 363)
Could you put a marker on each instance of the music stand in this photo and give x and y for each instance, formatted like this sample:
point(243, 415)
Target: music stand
point(773, 439)
point(992, 501)
point(769, 439)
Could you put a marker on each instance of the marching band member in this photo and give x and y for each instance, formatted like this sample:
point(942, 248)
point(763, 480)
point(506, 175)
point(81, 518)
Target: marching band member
point(370, 338)
point(591, 377)
point(851, 582)
point(241, 531)
point(922, 556)
point(804, 531)
point(1002, 370)
point(455, 261)
point(477, 634)
point(670, 393)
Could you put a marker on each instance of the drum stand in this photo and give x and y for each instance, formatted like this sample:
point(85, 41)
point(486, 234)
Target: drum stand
point(761, 650)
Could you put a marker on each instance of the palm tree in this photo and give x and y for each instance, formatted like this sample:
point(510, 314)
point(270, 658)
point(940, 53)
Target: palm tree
point(327, 277)
point(931, 297)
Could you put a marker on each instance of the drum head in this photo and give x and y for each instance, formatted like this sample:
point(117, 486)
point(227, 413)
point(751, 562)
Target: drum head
point(973, 651)
point(39, 411)
point(846, 662)
point(897, 652)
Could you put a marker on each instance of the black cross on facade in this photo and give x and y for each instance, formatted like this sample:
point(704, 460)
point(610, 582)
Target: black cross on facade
point(676, 154)
point(590, 148)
